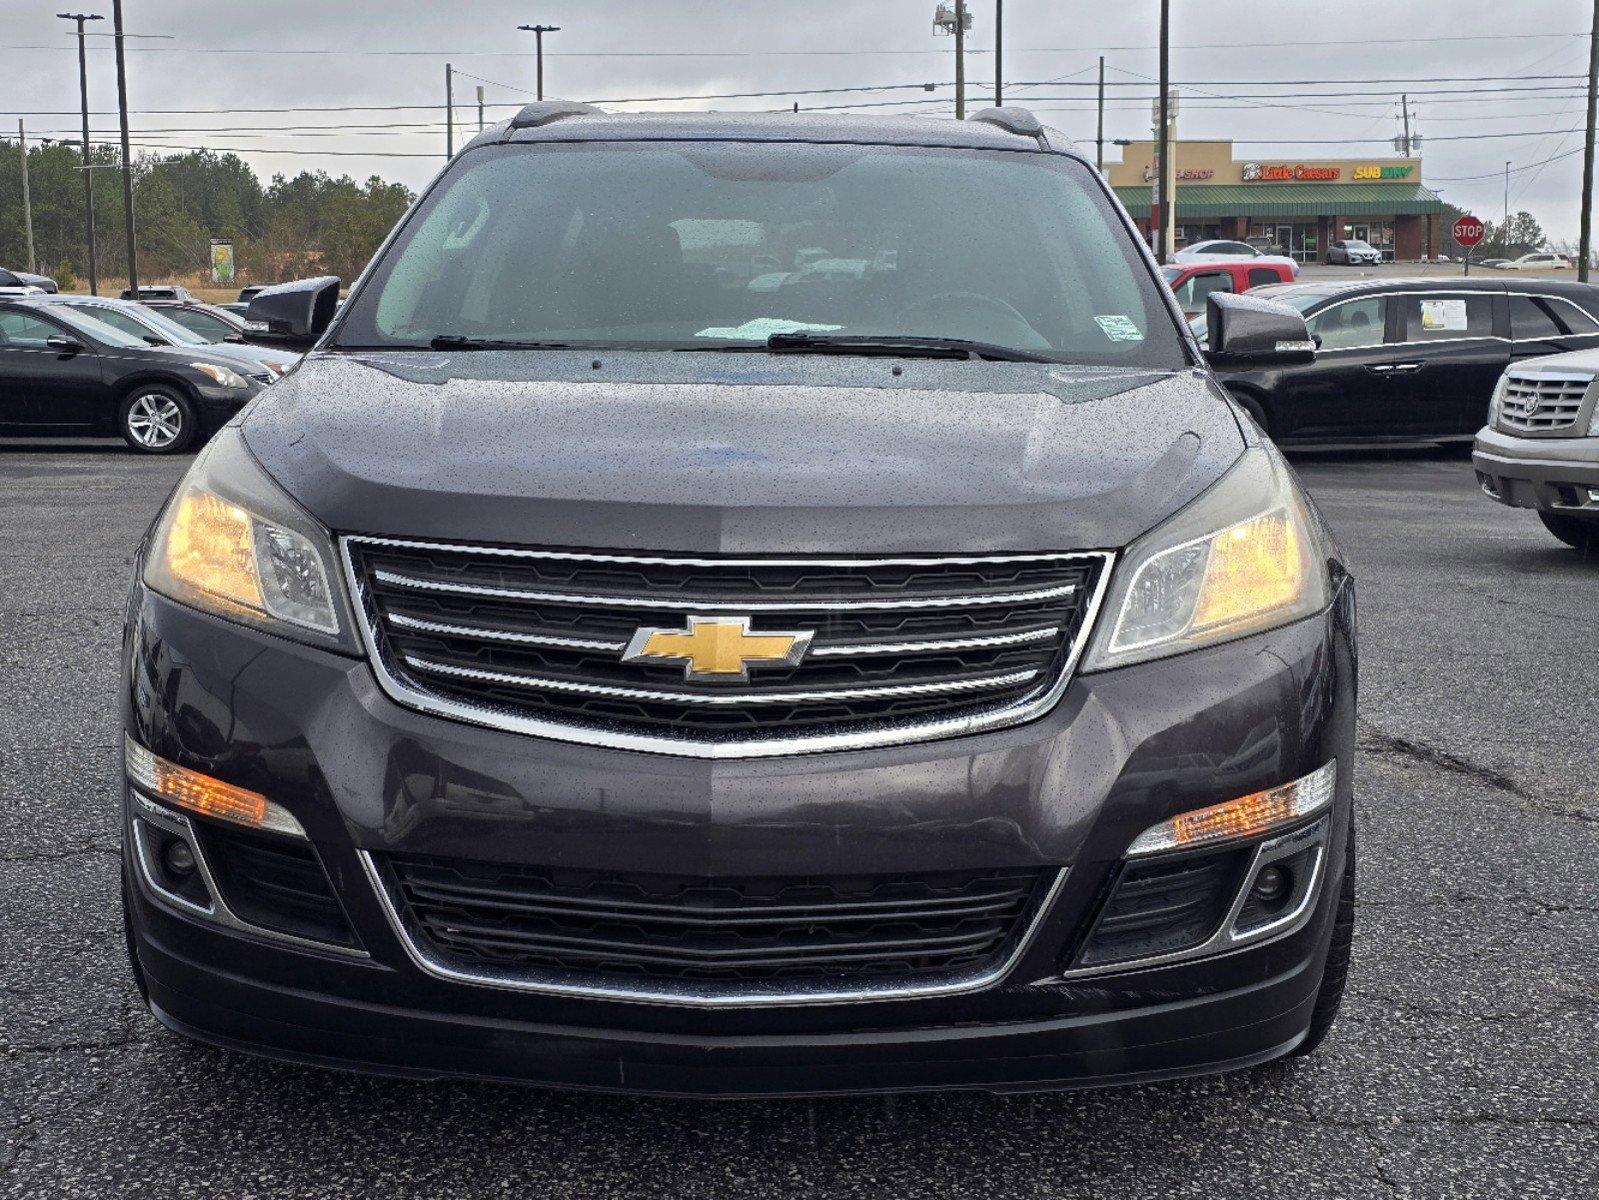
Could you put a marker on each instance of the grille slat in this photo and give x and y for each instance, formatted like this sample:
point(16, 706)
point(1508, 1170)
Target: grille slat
point(516, 637)
point(744, 930)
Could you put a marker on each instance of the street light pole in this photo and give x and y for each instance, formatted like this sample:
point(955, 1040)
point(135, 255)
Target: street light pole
point(1586, 251)
point(88, 171)
point(127, 153)
point(538, 31)
point(1163, 138)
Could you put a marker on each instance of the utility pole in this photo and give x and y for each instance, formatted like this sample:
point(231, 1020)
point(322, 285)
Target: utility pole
point(27, 205)
point(999, 50)
point(480, 108)
point(1163, 138)
point(960, 60)
point(1404, 109)
point(538, 31)
point(1504, 230)
point(1099, 131)
point(1586, 241)
point(449, 111)
point(127, 153)
point(88, 171)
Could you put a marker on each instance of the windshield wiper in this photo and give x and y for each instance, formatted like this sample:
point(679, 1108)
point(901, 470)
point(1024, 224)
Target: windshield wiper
point(900, 344)
point(456, 341)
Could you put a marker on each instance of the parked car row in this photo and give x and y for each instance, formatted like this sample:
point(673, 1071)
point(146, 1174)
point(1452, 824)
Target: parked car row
point(1408, 361)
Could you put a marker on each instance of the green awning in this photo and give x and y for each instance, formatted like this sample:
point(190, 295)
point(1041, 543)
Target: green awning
point(1291, 200)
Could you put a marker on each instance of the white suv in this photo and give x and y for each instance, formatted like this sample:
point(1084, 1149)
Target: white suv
point(1540, 448)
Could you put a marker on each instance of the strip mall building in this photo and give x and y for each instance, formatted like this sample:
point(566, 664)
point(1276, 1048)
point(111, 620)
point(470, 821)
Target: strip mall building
point(1300, 205)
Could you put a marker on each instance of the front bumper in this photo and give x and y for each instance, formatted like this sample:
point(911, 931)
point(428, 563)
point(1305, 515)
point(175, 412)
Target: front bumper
point(1123, 750)
point(1551, 474)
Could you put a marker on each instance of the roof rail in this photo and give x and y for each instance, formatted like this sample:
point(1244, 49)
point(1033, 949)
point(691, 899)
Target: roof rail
point(542, 112)
point(1013, 119)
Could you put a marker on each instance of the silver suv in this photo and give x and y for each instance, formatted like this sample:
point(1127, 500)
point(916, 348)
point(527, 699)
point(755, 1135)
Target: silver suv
point(1540, 448)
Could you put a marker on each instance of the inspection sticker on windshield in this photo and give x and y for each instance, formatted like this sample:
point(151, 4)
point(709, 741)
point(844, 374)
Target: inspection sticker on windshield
point(1444, 315)
point(1119, 328)
point(758, 329)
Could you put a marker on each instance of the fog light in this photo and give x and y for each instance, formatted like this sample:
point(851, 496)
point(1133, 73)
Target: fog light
point(1271, 885)
point(183, 788)
point(1246, 817)
point(177, 858)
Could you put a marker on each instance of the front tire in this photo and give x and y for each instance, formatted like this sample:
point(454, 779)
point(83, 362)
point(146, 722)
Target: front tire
point(157, 419)
point(1577, 532)
point(1335, 976)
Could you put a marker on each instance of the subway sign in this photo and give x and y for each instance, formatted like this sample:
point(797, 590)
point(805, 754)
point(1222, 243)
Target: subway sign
point(1372, 171)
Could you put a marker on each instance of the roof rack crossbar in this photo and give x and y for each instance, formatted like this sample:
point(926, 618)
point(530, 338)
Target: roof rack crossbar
point(542, 112)
point(1014, 119)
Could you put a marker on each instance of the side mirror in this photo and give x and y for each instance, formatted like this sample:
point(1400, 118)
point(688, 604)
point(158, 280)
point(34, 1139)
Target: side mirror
point(62, 344)
point(1245, 331)
point(293, 314)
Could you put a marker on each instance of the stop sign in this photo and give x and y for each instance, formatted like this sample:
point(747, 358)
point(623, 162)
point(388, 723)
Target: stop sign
point(1468, 231)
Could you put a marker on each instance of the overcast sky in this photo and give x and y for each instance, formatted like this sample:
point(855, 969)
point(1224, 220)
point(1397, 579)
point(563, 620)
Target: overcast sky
point(227, 58)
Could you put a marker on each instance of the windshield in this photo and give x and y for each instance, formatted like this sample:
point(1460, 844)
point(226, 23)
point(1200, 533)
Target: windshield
point(167, 327)
point(136, 319)
point(99, 330)
point(711, 245)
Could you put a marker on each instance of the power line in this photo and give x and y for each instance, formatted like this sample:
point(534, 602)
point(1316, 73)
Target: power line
point(831, 52)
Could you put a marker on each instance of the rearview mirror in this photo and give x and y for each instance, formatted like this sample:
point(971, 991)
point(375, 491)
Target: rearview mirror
point(1249, 331)
point(62, 344)
point(293, 314)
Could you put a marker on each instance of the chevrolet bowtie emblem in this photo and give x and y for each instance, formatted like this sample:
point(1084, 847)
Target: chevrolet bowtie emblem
point(717, 648)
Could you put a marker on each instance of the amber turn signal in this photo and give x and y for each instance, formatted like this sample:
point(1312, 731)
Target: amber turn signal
point(1246, 817)
point(203, 795)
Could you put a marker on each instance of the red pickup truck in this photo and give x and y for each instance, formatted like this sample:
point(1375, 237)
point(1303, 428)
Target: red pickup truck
point(1194, 281)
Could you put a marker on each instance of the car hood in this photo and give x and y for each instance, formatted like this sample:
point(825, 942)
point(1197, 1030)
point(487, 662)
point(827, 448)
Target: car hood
point(1571, 360)
point(732, 452)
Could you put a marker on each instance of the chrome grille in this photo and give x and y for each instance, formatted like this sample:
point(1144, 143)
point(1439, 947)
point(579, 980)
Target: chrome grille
point(901, 649)
point(1543, 401)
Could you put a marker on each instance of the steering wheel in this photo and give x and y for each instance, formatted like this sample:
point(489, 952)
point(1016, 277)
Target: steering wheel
point(969, 300)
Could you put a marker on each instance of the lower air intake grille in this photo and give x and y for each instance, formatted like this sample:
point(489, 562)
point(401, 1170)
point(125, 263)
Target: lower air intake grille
point(1160, 908)
point(645, 927)
point(276, 884)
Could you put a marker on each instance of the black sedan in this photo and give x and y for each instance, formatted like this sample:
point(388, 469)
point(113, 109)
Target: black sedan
point(1409, 361)
point(64, 373)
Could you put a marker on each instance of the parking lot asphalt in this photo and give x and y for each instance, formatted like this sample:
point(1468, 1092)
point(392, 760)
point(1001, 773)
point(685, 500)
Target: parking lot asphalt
point(1464, 1063)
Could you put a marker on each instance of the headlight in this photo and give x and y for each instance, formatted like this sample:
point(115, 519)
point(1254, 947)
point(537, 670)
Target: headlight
point(223, 375)
point(1247, 555)
point(233, 543)
point(1497, 402)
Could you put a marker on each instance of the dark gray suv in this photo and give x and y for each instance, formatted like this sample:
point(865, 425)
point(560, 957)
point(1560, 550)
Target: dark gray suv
point(760, 604)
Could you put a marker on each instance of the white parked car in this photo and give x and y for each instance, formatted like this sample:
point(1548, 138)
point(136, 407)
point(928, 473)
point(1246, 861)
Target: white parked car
point(1353, 252)
point(1537, 262)
point(13, 285)
point(1217, 249)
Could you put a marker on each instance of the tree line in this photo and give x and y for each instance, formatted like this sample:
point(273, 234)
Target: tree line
point(307, 224)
